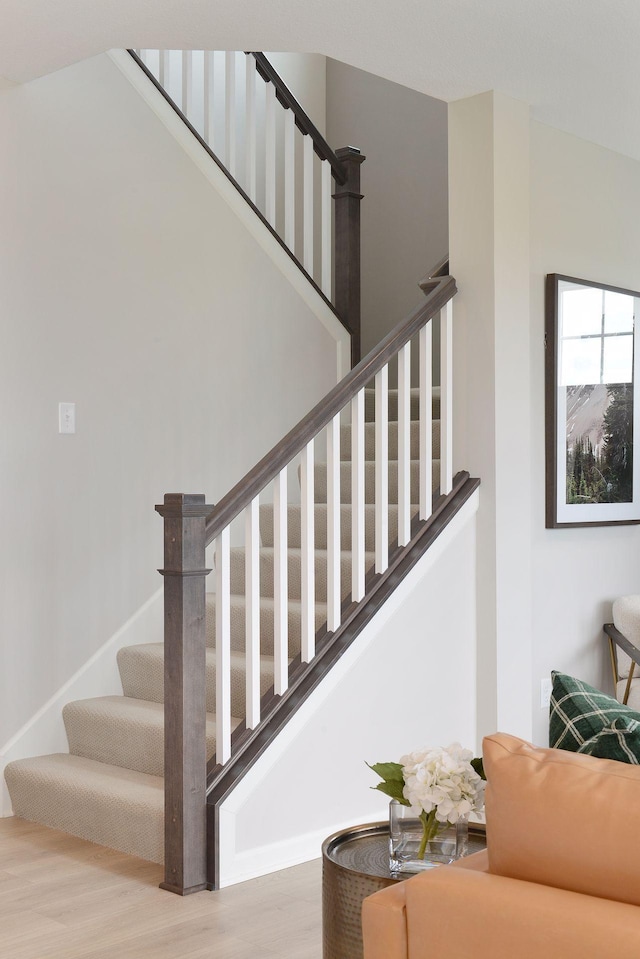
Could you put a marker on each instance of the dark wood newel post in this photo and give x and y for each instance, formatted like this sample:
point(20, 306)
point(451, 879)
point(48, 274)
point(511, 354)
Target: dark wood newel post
point(185, 758)
point(347, 245)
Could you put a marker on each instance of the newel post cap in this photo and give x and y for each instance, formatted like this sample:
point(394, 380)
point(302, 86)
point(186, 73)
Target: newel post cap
point(184, 504)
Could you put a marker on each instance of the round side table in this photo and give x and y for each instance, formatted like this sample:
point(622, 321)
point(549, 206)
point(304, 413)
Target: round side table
point(355, 864)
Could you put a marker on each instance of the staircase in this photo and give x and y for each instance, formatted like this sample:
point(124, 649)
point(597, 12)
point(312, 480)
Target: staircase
point(109, 789)
point(307, 547)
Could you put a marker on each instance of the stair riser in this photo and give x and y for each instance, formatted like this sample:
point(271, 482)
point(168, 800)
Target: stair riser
point(118, 741)
point(238, 628)
point(294, 574)
point(142, 675)
point(370, 440)
point(320, 528)
point(370, 404)
point(65, 799)
point(320, 474)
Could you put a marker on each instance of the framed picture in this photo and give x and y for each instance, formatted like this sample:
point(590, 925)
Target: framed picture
point(591, 354)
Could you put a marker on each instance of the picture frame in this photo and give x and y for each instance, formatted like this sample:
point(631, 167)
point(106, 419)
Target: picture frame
point(591, 354)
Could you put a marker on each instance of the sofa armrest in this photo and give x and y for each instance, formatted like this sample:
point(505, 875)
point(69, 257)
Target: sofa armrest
point(384, 919)
point(384, 923)
point(466, 913)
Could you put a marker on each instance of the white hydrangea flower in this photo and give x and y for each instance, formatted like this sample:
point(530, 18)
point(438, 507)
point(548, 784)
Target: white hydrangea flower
point(444, 779)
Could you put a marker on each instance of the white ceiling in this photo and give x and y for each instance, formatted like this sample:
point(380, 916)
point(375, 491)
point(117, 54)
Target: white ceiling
point(575, 61)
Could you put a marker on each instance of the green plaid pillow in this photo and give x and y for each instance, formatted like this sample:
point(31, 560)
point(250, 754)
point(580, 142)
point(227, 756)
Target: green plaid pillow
point(578, 713)
point(619, 740)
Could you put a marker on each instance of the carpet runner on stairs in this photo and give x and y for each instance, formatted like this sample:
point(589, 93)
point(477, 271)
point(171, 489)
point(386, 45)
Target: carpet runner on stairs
point(109, 788)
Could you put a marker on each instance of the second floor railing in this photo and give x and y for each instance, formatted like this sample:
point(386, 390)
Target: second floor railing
point(249, 120)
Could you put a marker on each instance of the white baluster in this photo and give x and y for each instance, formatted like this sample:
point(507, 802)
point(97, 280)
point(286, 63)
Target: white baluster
point(357, 496)
point(187, 82)
point(223, 648)
point(230, 112)
point(382, 469)
point(280, 585)
point(250, 128)
point(446, 398)
point(404, 445)
point(252, 612)
point(209, 100)
point(426, 422)
point(270, 154)
point(164, 68)
point(151, 59)
point(307, 206)
point(333, 524)
point(289, 179)
point(307, 544)
point(326, 245)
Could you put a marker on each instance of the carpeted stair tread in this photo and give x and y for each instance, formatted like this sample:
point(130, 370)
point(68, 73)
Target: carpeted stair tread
point(125, 732)
point(294, 557)
point(267, 607)
point(320, 481)
point(142, 674)
point(320, 525)
point(110, 805)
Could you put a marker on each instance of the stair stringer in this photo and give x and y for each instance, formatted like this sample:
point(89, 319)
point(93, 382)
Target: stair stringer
point(407, 680)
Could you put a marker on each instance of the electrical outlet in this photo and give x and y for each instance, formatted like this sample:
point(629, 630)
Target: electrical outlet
point(545, 693)
point(66, 417)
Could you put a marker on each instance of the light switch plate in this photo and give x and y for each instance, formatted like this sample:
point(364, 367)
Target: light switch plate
point(66, 417)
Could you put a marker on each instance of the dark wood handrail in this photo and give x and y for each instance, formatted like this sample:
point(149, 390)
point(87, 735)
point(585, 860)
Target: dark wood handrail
point(303, 122)
point(438, 292)
point(440, 269)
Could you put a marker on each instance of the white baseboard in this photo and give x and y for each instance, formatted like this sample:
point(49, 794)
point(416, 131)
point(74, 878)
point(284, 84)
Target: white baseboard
point(44, 733)
point(281, 855)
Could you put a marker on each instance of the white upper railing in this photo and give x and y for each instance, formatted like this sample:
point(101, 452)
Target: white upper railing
point(228, 99)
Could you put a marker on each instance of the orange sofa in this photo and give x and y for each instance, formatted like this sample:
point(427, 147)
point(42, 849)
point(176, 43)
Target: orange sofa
point(560, 878)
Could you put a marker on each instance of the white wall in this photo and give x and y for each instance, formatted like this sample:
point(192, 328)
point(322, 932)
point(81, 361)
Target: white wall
point(489, 249)
point(130, 287)
point(306, 76)
point(584, 223)
point(403, 135)
point(407, 681)
point(527, 200)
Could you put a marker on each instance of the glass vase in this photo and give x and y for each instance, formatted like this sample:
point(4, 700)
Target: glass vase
point(406, 833)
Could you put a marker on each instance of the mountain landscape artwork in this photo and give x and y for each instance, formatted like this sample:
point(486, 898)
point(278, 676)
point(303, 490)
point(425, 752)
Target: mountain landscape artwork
point(599, 443)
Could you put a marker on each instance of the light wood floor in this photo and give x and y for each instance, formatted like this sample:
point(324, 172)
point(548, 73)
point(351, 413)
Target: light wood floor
point(63, 898)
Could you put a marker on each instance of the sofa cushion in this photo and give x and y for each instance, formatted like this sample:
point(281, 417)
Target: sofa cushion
point(460, 914)
point(563, 819)
point(619, 740)
point(579, 712)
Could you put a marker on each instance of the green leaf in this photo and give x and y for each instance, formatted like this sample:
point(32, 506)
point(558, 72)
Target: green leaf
point(478, 766)
point(388, 771)
point(392, 789)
